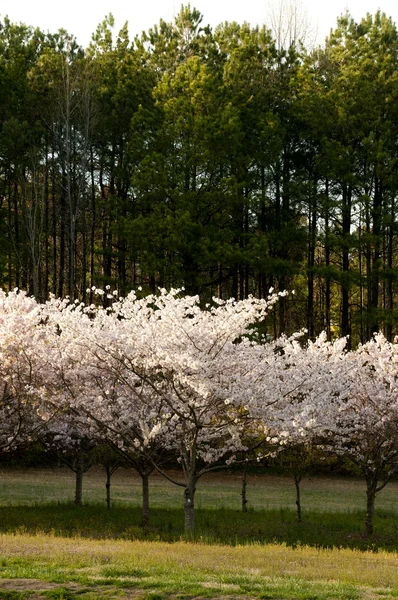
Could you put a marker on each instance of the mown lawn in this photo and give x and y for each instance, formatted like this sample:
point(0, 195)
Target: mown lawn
point(221, 490)
point(51, 549)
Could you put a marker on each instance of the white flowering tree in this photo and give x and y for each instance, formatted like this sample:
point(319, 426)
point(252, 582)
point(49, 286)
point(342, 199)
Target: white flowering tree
point(71, 444)
point(293, 390)
point(160, 372)
point(364, 427)
point(105, 401)
point(344, 402)
point(120, 408)
point(21, 332)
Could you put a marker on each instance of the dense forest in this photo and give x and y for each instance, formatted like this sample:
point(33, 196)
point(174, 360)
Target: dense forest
point(217, 160)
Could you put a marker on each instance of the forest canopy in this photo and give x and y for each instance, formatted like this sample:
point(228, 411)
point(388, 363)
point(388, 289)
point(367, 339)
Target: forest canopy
point(217, 160)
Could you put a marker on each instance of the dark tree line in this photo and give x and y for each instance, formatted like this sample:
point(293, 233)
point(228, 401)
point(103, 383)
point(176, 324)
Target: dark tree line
point(213, 160)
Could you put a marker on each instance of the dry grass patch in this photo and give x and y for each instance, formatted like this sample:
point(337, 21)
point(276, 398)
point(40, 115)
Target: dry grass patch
point(185, 568)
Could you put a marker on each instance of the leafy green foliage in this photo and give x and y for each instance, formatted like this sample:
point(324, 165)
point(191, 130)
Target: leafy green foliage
point(215, 160)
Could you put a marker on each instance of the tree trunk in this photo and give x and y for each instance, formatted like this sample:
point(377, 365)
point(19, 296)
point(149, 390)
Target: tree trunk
point(62, 243)
point(79, 486)
point(390, 286)
point(189, 507)
point(17, 236)
point(297, 481)
point(345, 317)
point(46, 228)
point(312, 226)
point(328, 302)
point(108, 486)
point(54, 224)
point(243, 493)
point(145, 499)
point(370, 506)
point(93, 223)
point(375, 274)
point(11, 279)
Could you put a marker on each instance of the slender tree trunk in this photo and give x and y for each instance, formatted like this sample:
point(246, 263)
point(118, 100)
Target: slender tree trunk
point(244, 489)
point(61, 280)
point(108, 486)
point(219, 282)
point(297, 481)
point(145, 499)
point(375, 277)
point(312, 216)
point(368, 269)
point(370, 506)
point(262, 283)
point(122, 245)
point(70, 164)
point(390, 286)
point(46, 229)
point(93, 223)
point(327, 264)
point(79, 485)
point(245, 269)
point(83, 279)
point(10, 261)
point(345, 316)
point(54, 224)
point(189, 506)
point(16, 234)
point(107, 199)
point(361, 279)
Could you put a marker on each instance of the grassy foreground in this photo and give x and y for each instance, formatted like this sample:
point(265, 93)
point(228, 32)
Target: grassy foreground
point(47, 566)
point(51, 549)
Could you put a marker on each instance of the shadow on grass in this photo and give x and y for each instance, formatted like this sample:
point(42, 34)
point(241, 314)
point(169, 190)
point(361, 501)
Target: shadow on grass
point(221, 526)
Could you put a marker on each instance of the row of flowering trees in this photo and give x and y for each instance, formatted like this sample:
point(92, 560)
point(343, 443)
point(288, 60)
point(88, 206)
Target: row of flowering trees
point(162, 376)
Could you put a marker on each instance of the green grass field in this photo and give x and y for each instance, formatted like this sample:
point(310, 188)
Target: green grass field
point(51, 549)
point(216, 490)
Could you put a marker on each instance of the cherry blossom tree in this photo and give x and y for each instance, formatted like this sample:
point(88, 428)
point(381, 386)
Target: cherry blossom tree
point(293, 390)
point(161, 371)
point(297, 379)
point(21, 332)
point(121, 409)
point(162, 374)
point(111, 461)
point(365, 426)
point(63, 437)
point(109, 403)
point(344, 402)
